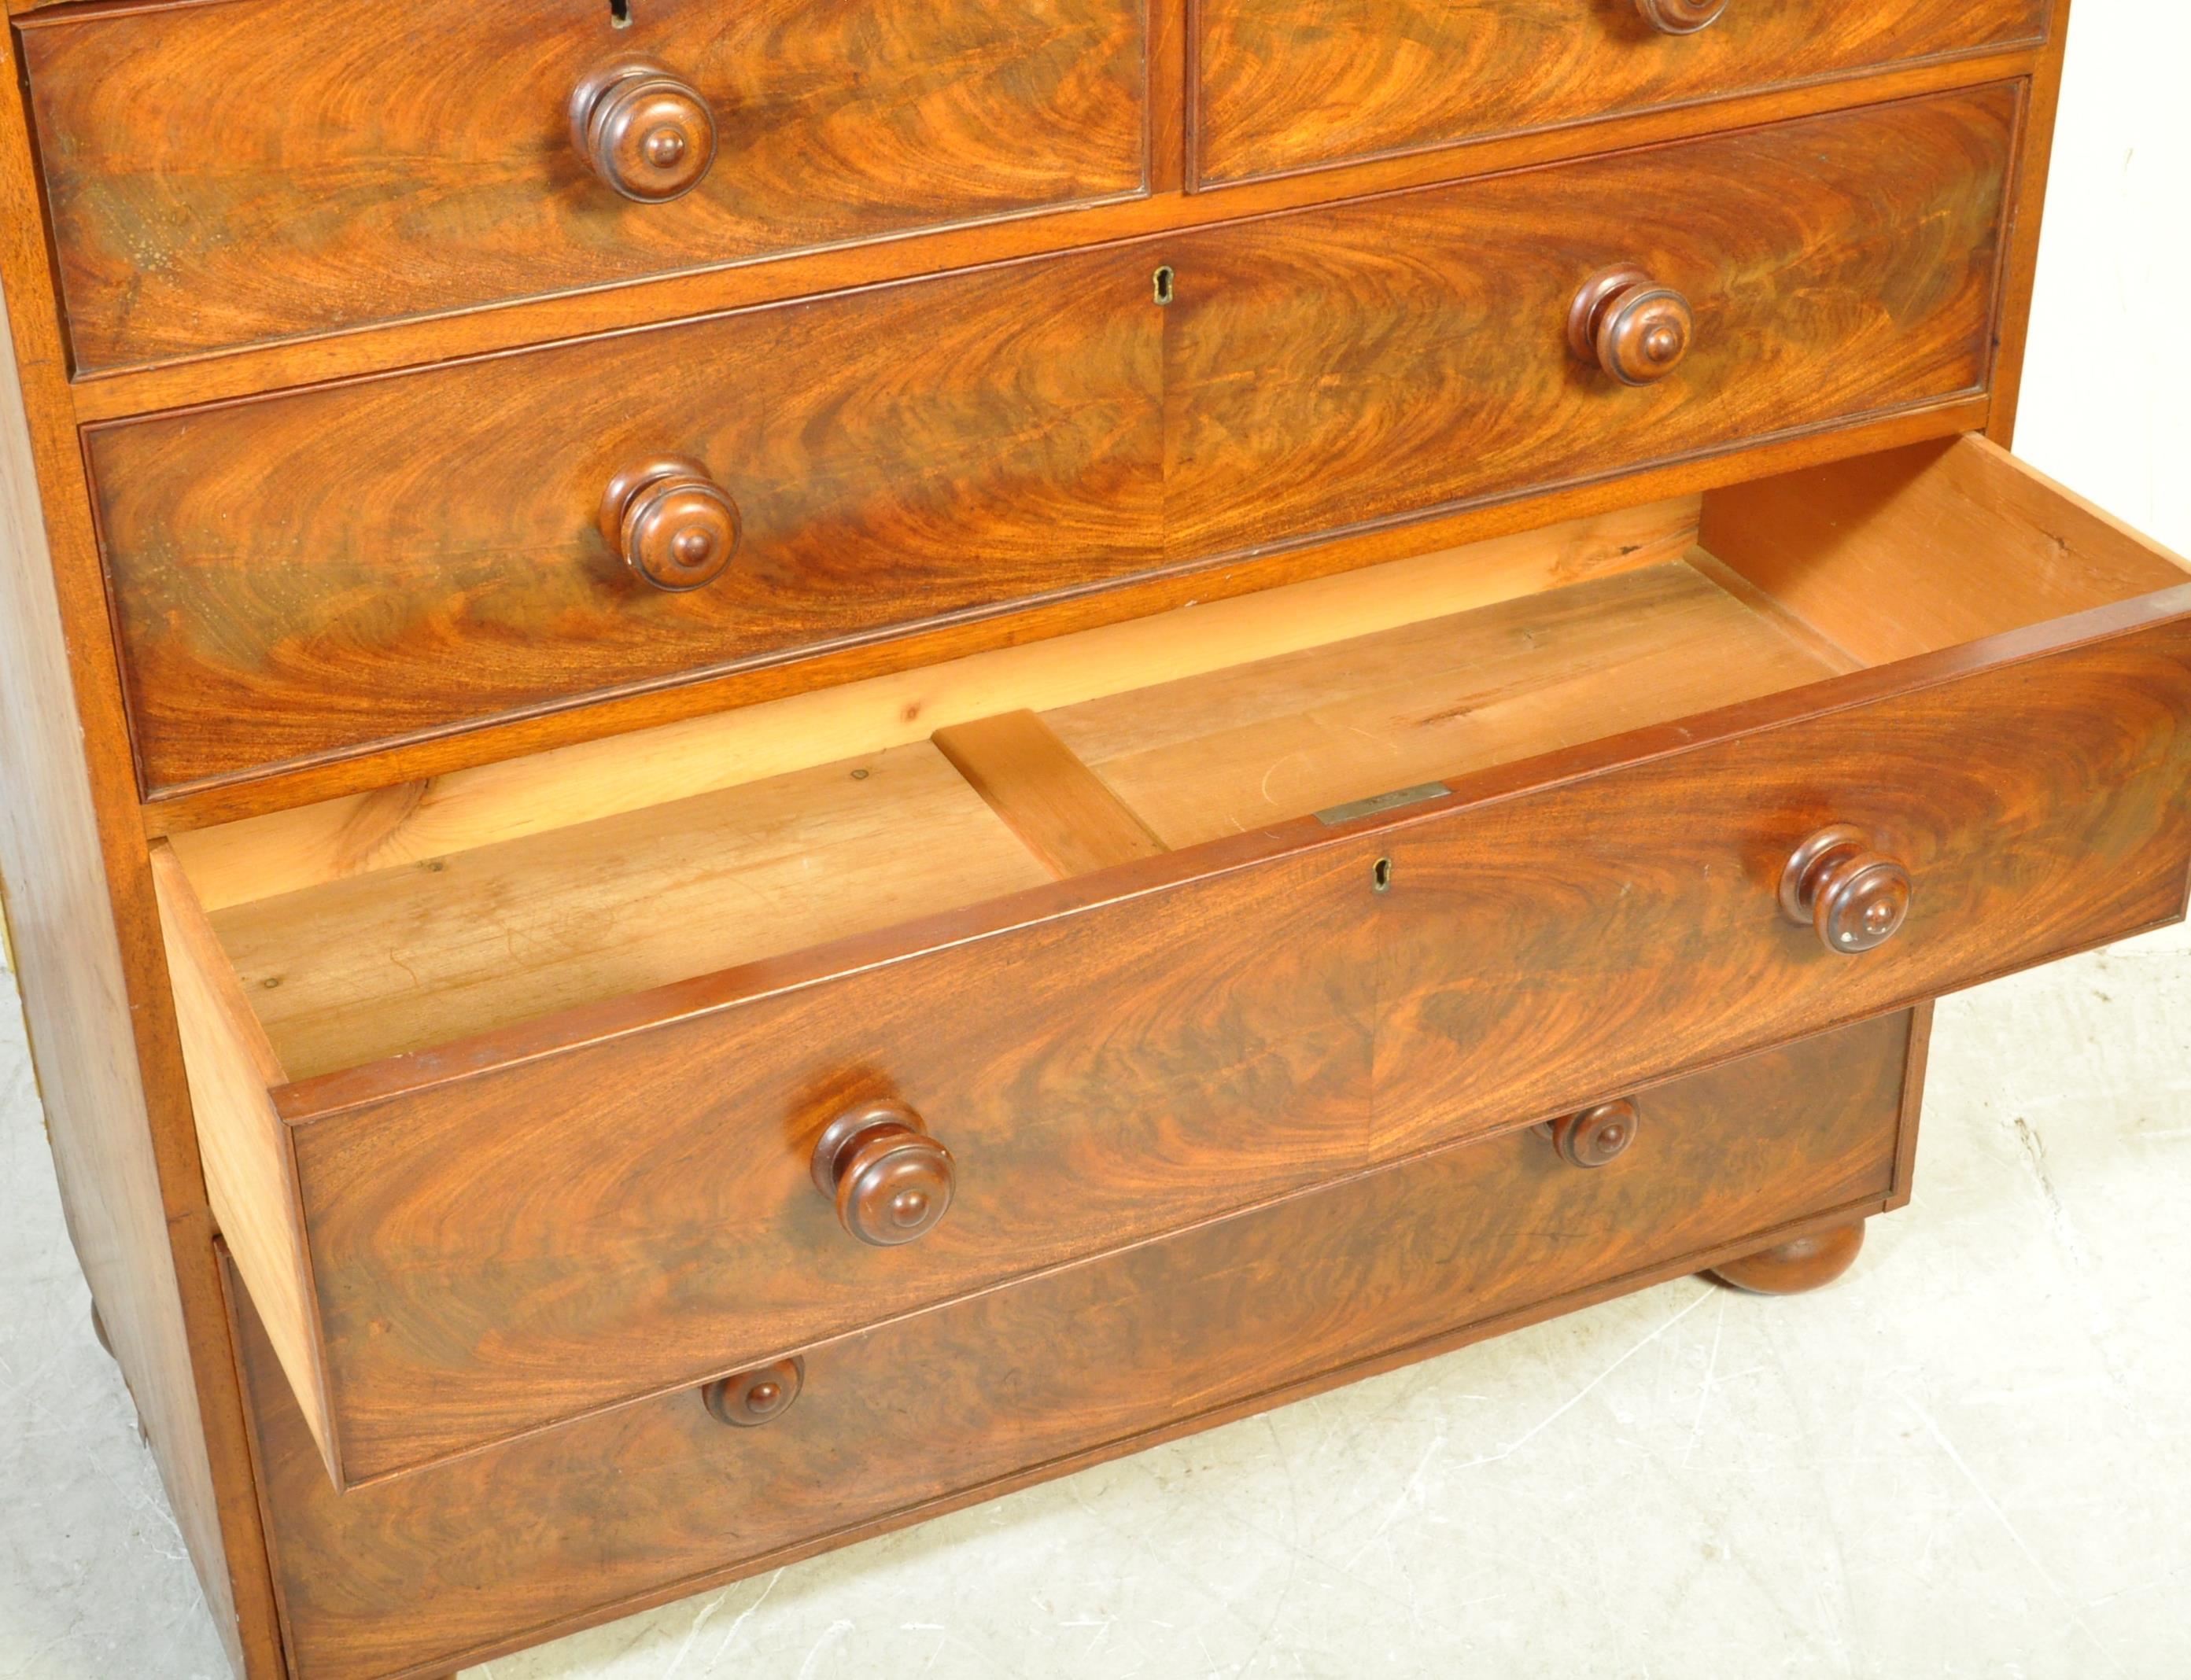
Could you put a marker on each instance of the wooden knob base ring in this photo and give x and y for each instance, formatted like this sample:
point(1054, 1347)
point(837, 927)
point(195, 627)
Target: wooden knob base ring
point(1835, 883)
point(1681, 17)
point(890, 1181)
point(753, 1398)
point(1597, 1135)
point(644, 129)
point(1635, 329)
point(671, 523)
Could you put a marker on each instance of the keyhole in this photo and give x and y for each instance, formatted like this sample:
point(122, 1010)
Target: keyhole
point(1163, 284)
point(620, 14)
point(1381, 877)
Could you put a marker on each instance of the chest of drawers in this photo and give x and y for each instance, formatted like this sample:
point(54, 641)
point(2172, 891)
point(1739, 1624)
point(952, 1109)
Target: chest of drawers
point(782, 763)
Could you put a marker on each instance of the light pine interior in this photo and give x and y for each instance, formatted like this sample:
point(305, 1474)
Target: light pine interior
point(398, 920)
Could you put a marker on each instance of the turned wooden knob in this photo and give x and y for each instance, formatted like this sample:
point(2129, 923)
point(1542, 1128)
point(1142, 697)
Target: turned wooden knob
point(1635, 329)
point(891, 1181)
point(643, 128)
point(1835, 883)
point(753, 1398)
point(1680, 17)
point(1597, 1135)
point(670, 522)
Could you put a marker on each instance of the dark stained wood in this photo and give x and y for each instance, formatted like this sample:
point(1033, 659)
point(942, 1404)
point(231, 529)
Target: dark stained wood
point(221, 174)
point(1379, 361)
point(896, 456)
point(1633, 329)
point(960, 445)
point(1800, 1263)
point(86, 951)
point(452, 1563)
point(1286, 85)
point(670, 522)
point(643, 128)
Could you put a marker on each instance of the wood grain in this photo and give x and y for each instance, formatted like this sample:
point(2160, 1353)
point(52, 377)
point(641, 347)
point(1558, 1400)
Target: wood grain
point(1603, 926)
point(1223, 578)
point(1242, 748)
point(1286, 85)
point(285, 851)
point(2005, 547)
point(968, 445)
point(1065, 815)
point(250, 1168)
point(87, 956)
point(897, 456)
point(1334, 368)
point(473, 941)
point(620, 306)
point(562, 1233)
point(223, 174)
point(656, 1499)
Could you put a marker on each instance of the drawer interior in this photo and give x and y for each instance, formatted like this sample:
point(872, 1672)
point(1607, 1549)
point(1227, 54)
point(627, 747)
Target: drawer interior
point(419, 916)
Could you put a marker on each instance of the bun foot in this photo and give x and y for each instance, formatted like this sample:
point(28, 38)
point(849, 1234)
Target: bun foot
point(1791, 1268)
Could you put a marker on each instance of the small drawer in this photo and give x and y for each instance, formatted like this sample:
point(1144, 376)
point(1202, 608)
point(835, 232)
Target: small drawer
point(225, 172)
point(526, 1093)
point(1281, 86)
point(308, 577)
point(892, 1424)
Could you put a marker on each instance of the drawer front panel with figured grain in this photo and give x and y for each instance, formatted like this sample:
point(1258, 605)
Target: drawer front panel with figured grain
point(1333, 369)
point(313, 575)
point(300, 576)
point(1088, 1361)
point(1286, 85)
point(225, 174)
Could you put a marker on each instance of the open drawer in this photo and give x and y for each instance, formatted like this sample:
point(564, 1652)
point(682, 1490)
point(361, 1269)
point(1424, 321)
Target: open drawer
point(571, 1080)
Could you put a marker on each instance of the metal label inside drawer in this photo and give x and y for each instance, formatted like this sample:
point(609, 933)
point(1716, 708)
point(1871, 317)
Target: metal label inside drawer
point(1383, 801)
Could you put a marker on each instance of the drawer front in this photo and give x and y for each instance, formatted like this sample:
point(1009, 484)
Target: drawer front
point(297, 576)
point(1286, 85)
point(657, 1498)
point(1579, 936)
point(308, 576)
point(221, 174)
point(1343, 367)
point(554, 1236)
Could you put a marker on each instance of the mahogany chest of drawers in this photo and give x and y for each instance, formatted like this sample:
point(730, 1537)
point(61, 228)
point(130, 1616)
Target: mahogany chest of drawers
point(779, 764)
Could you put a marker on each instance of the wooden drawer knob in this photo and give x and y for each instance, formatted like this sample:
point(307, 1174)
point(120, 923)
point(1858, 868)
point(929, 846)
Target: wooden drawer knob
point(1835, 883)
point(755, 1397)
point(1635, 329)
point(891, 1181)
point(1597, 1135)
point(644, 129)
point(1680, 17)
point(670, 522)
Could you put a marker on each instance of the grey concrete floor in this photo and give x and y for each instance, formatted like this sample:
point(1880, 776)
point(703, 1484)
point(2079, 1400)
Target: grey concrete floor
point(1971, 1457)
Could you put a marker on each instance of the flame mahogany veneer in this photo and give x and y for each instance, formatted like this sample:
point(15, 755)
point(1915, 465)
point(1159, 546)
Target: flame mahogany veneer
point(772, 766)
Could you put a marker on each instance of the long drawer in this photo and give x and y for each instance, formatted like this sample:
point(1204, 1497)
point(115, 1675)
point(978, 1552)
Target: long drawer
point(1286, 85)
point(222, 172)
point(893, 1423)
point(529, 1093)
point(313, 575)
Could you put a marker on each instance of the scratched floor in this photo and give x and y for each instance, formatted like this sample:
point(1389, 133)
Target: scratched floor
point(1973, 1457)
